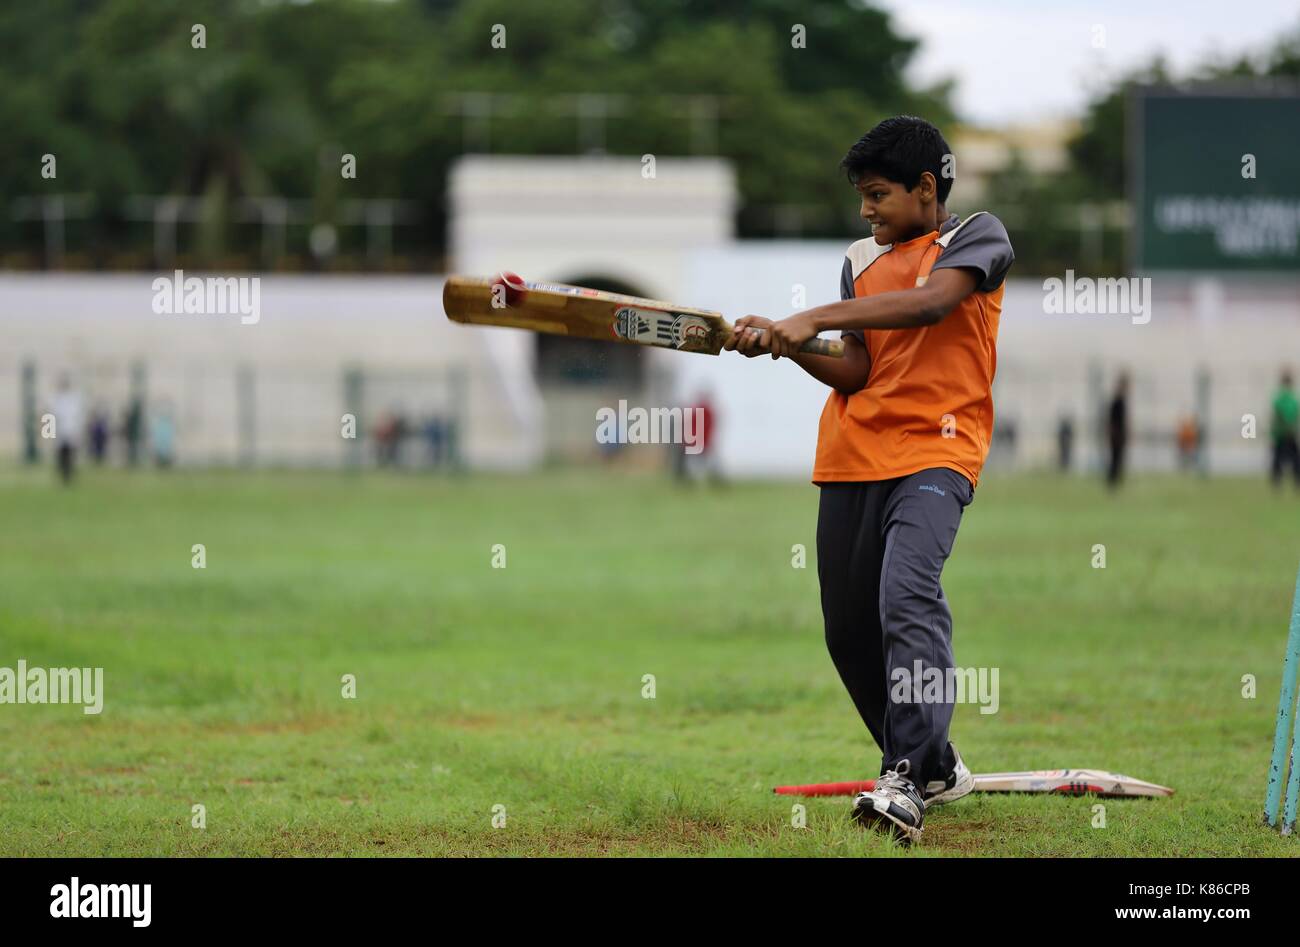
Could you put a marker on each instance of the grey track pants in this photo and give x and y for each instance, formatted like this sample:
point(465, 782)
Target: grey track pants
point(881, 546)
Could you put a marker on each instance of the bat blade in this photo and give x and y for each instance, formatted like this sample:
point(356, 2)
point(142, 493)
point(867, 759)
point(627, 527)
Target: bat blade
point(560, 309)
point(1070, 782)
point(1066, 782)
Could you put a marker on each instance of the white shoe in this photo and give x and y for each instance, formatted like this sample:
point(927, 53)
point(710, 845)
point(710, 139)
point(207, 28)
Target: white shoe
point(895, 804)
point(958, 783)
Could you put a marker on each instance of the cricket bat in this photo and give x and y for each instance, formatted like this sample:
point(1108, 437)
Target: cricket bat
point(557, 309)
point(1066, 782)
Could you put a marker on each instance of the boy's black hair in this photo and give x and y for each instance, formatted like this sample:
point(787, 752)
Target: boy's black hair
point(899, 149)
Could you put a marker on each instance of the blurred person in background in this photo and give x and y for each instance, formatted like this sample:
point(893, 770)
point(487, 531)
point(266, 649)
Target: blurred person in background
point(1064, 443)
point(435, 434)
point(1188, 439)
point(1286, 437)
point(611, 448)
point(440, 433)
point(1117, 431)
point(162, 436)
point(390, 430)
point(68, 424)
point(704, 463)
point(1006, 432)
point(99, 435)
point(133, 429)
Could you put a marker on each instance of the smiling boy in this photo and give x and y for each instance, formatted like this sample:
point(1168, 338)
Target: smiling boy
point(902, 438)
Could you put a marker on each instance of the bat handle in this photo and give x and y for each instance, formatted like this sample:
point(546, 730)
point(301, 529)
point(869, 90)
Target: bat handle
point(818, 346)
point(815, 346)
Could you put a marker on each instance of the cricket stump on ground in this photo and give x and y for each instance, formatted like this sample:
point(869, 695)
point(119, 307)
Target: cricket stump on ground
point(1277, 770)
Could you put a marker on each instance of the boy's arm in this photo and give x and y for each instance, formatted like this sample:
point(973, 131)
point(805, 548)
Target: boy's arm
point(900, 309)
point(846, 375)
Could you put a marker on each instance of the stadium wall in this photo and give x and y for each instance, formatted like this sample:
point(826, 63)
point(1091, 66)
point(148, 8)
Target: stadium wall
point(315, 329)
point(273, 392)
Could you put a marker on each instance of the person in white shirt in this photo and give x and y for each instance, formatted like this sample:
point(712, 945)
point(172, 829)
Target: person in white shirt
point(68, 423)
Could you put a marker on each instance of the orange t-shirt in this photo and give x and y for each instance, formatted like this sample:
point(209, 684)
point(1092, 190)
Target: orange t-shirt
point(929, 399)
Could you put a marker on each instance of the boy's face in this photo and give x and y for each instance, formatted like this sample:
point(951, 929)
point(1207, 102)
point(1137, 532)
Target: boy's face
point(895, 213)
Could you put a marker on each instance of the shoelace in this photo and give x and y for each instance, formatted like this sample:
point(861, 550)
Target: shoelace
point(895, 779)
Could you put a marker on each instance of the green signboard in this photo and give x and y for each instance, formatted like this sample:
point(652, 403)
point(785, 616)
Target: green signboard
point(1215, 179)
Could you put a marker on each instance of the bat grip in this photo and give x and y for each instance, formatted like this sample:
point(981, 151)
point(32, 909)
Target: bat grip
point(818, 346)
point(814, 346)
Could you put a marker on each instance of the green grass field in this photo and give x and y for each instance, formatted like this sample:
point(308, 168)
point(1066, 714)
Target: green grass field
point(522, 687)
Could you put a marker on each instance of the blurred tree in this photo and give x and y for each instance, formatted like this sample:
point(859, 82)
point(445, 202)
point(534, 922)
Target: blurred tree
point(1098, 153)
point(118, 92)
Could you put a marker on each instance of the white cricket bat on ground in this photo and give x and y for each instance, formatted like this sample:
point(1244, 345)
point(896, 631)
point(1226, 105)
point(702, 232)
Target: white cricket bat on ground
point(1066, 782)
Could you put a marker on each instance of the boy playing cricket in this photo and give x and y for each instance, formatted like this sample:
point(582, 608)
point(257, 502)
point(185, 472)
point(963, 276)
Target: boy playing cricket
point(902, 438)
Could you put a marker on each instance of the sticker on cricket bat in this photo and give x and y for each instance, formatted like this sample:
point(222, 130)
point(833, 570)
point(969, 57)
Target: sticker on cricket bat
point(689, 331)
point(665, 329)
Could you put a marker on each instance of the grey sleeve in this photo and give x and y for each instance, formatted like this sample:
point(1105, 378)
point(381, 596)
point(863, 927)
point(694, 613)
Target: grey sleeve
point(846, 292)
point(981, 244)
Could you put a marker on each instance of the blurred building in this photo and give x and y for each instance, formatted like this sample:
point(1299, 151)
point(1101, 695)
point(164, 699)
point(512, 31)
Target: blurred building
point(983, 152)
point(619, 224)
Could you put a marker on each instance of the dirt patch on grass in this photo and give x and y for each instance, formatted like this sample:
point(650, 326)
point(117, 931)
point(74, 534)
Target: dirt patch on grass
point(673, 836)
point(316, 723)
point(463, 721)
point(308, 723)
point(963, 836)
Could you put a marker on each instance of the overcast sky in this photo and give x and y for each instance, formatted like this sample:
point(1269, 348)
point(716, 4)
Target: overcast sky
point(1029, 59)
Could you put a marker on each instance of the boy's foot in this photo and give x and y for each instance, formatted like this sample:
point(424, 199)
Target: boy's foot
point(895, 804)
point(952, 787)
